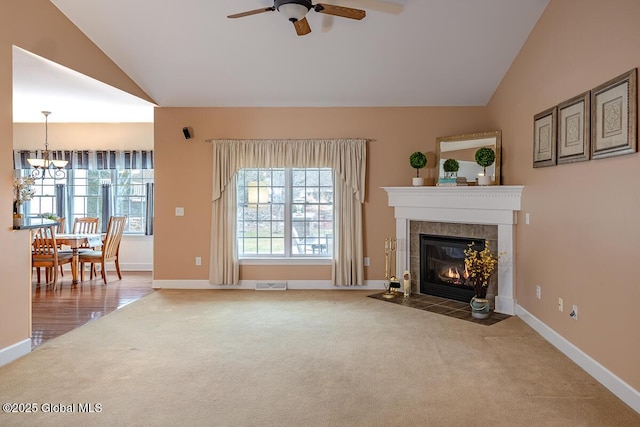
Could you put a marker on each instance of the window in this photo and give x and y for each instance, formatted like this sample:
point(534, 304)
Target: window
point(285, 212)
point(100, 184)
point(86, 191)
point(44, 199)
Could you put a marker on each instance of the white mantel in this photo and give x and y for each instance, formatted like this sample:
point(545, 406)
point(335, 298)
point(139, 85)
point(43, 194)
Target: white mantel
point(492, 205)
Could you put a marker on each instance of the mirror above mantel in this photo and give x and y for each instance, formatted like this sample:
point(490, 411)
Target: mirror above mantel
point(463, 149)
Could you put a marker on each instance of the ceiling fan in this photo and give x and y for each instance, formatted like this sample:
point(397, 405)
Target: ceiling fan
point(296, 10)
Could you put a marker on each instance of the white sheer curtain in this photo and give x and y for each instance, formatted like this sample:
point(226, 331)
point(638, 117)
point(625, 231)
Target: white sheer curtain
point(347, 157)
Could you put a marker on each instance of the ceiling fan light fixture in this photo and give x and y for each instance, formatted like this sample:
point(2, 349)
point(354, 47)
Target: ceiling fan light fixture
point(293, 10)
point(296, 12)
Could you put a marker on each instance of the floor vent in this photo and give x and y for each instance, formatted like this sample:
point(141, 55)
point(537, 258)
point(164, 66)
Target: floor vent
point(271, 286)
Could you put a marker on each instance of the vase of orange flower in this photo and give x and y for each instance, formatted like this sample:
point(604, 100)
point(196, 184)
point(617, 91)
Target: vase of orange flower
point(479, 267)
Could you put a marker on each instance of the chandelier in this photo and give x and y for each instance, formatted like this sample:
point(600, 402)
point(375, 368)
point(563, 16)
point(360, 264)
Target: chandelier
point(46, 165)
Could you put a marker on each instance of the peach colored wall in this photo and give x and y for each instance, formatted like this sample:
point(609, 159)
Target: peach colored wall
point(183, 172)
point(582, 242)
point(36, 26)
point(83, 136)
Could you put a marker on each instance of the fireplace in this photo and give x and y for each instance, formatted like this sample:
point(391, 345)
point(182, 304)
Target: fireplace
point(477, 212)
point(442, 270)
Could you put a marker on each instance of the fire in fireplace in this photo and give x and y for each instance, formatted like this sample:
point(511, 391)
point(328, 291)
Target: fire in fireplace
point(442, 270)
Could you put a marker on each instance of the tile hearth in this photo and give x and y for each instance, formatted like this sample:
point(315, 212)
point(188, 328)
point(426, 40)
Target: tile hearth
point(447, 307)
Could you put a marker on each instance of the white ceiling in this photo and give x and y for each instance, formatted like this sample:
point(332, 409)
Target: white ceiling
point(403, 53)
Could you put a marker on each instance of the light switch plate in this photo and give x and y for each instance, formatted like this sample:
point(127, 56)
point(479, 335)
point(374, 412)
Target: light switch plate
point(179, 211)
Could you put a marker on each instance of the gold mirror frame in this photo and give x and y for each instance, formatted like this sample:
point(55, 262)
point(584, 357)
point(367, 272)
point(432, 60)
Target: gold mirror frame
point(463, 148)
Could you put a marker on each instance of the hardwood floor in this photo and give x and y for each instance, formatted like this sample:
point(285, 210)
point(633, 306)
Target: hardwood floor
point(57, 312)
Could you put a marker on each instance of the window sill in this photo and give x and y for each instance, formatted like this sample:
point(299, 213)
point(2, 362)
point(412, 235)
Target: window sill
point(286, 261)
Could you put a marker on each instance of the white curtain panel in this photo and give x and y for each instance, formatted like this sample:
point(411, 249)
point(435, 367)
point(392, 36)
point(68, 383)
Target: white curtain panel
point(347, 157)
point(223, 265)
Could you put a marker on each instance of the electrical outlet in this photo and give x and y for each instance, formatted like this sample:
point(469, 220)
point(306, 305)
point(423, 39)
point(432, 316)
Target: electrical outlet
point(198, 260)
point(526, 218)
point(367, 261)
point(574, 312)
point(560, 304)
point(179, 211)
point(538, 291)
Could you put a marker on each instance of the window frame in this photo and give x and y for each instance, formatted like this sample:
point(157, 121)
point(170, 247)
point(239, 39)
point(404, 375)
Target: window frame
point(288, 256)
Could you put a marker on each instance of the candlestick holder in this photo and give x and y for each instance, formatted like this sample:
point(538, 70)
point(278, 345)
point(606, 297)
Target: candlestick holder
point(391, 281)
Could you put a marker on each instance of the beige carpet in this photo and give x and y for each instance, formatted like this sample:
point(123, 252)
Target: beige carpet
point(302, 358)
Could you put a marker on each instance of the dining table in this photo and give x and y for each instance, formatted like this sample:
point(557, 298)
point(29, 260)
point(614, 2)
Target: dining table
point(75, 241)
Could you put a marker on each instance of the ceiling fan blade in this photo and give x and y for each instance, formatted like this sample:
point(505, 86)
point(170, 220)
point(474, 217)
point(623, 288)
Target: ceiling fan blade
point(252, 12)
point(345, 12)
point(302, 27)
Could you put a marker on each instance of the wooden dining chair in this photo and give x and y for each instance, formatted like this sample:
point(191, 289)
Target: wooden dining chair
point(60, 229)
point(45, 253)
point(109, 251)
point(87, 225)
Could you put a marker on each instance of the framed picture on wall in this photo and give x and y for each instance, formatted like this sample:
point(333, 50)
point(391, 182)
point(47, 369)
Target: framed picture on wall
point(544, 138)
point(574, 129)
point(614, 117)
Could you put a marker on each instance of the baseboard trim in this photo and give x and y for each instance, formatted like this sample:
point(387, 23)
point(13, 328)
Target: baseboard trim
point(617, 386)
point(373, 285)
point(14, 351)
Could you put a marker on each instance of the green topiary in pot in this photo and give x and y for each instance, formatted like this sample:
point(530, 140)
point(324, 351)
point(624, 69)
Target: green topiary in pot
point(418, 160)
point(485, 157)
point(450, 166)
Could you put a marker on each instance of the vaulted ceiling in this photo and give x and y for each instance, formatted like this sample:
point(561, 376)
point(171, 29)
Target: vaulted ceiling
point(403, 53)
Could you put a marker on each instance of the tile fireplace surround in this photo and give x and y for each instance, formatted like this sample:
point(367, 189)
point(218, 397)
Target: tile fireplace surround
point(495, 205)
